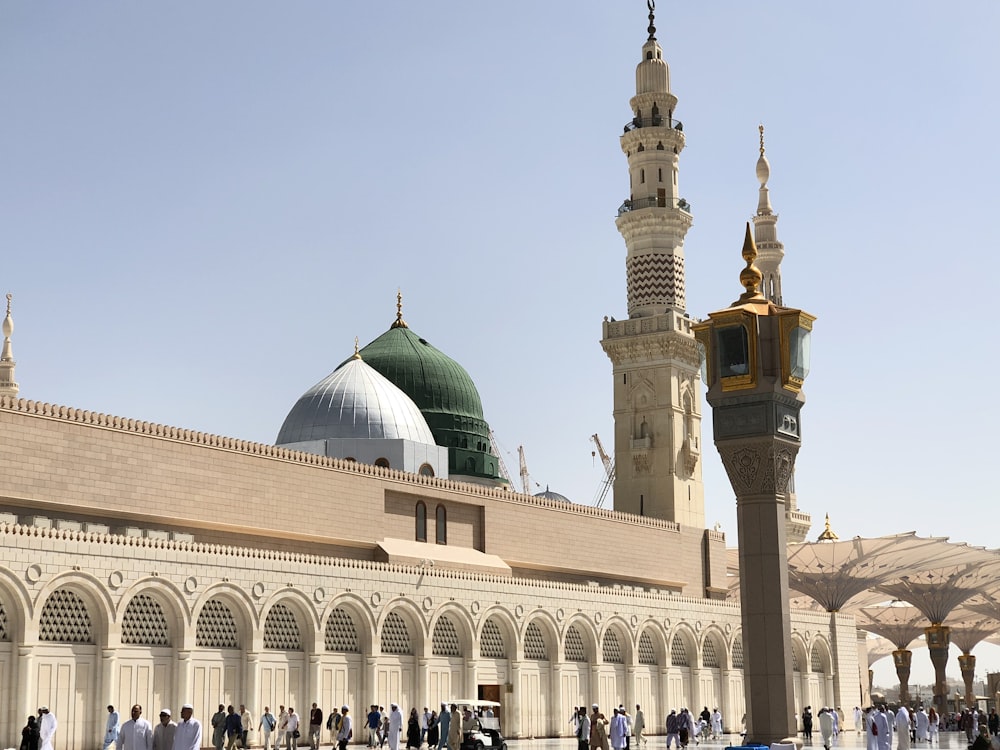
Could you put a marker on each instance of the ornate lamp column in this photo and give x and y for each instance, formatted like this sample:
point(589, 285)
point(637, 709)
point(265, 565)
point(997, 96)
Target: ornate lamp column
point(902, 658)
point(756, 359)
point(938, 641)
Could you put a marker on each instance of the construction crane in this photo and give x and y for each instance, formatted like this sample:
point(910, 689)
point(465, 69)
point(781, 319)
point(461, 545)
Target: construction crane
point(503, 467)
point(525, 479)
point(609, 471)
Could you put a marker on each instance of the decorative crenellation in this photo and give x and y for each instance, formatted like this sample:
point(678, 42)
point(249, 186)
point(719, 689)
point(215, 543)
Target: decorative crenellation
point(263, 450)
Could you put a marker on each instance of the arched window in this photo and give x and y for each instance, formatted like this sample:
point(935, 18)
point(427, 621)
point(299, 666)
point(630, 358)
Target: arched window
point(382, 462)
point(441, 516)
point(421, 522)
point(426, 470)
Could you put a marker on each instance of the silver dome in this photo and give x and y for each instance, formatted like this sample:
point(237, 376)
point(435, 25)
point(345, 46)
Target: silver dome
point(354, 401)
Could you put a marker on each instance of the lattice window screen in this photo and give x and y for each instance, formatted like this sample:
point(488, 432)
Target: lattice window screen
point(341, 635)
point(534, 644)
point(738, 653)
point(444, 641)
point(708, 656)
point(795, 661)
point(678, 654)
point(216, 627)
point(574, 645)
point(816, 663)
point(144, 623)
point(395, 635)
point(64, 619)
point(647, 654)
point(281, 630)
point(612, 648)
point(4, 635)
point(491, 642)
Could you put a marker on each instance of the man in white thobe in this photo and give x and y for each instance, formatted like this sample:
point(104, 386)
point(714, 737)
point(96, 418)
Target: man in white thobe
point(187, 736)
point(922, 724)
point(716, 724)
point(136, 733)
point(619, 730)
point(903, 728)
point(880, 724)
point(47, 726)
point(869, 728)
point(395, 726)
point(163, 733)
point(111, 728)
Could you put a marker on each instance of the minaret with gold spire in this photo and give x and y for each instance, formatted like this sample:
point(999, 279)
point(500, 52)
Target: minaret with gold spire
point(8, 386)
point(769, 255)
point(655, 360)
point(765, 230)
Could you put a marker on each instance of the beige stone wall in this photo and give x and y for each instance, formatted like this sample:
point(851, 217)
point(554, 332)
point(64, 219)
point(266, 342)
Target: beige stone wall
point(221, 489)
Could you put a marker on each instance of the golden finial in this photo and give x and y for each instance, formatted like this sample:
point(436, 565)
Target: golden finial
point(357, 352)
point(399, 322)
point(750, 277)
point(827, 535)
point(761, 129)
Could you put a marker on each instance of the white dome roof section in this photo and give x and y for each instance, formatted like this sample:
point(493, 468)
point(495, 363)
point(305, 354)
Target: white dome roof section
point(354, 402)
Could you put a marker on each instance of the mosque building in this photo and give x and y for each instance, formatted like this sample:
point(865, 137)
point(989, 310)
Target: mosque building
point(422, 575)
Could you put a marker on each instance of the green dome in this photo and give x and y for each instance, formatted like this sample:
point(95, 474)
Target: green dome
point(444, 393)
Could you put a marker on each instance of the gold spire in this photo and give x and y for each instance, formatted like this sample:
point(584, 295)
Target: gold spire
point(827, 535)
point(399, 322)
point(750, 277)
point(761, 129)
point(357, 352)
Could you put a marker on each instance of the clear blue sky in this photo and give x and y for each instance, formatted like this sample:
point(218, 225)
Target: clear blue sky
point(202, 204)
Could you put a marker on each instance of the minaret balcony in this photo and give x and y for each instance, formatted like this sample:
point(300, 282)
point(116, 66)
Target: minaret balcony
point(653, 121)
point(653, 201)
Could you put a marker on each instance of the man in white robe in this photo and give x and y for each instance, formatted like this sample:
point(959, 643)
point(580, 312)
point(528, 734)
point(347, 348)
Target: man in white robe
point(163, 733)
point(111, 728)
point(880, 727)
point(619, 730)
point(47, 726)
point(716, 724)
point(187, 736)
point(903, 728)
point(136, 733)
point(395, 726)
point(922, 725)
point(869, 728)
point(826, 726)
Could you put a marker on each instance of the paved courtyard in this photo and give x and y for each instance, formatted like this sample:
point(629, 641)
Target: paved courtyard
point(848, 740)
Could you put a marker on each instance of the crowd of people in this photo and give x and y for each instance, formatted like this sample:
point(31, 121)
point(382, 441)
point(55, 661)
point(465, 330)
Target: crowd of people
point(625, 731)
point(134, 734)
point(231, 729)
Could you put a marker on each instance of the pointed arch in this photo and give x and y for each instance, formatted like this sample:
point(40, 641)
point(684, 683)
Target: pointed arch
point(820, 655)
point(463, 627)
point(588, 639)
point(171, 601)
point(497, 622)
point(656, 640)
point(799, 651)
point(683, 646)
point(545, 628)
point(620, 645)
point(714, 651)
point(408, 638)
point(361, 617)
point(211, 625)
point(17, 605)
point(306, 617)
point(92, 595)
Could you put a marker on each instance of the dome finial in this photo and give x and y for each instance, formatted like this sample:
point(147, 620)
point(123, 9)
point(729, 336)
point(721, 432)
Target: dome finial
point(750, 277)
point(761, 129)
point(827, 535)
point(357, 352)
point(399, 322)
point(651, 4)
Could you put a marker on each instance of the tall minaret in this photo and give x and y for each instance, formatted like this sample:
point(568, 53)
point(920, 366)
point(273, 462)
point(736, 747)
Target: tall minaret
point(656, 362)
point(765, 233)
point(8, 386)
point(769, 255)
